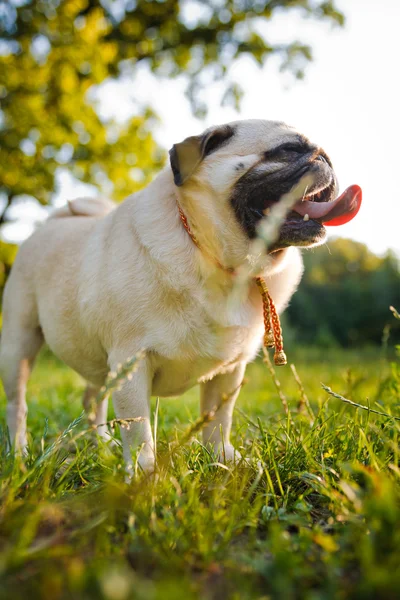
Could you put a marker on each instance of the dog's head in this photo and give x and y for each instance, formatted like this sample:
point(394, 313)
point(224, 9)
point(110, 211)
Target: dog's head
point(247, 166)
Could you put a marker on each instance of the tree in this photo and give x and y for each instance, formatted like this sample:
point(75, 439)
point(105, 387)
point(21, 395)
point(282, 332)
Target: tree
point(7, 256)
point(345, 295)
point(53, 54)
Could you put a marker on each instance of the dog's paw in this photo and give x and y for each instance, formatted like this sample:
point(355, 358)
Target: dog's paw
point(145, 464)
point(228, 454)
point(106, 441)
point(19, 447)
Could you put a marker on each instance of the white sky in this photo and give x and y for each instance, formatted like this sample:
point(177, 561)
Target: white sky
point(349, 103)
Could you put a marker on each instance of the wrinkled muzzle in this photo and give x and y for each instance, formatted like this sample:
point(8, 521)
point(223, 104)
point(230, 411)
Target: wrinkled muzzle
point(259, 189)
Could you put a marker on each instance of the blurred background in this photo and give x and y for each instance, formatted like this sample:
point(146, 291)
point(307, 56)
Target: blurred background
point(94, 92)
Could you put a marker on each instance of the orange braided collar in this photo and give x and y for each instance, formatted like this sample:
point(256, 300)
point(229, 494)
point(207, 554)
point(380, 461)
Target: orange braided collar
point(273, 331)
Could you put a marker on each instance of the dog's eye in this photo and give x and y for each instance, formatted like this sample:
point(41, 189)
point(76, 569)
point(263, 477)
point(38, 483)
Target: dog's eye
point(293, 148)
point(286, 148)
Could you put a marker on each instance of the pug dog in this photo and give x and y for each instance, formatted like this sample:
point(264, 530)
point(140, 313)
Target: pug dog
point(99, 282)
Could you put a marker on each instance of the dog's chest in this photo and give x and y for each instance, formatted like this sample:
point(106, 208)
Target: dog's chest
point(203, 342)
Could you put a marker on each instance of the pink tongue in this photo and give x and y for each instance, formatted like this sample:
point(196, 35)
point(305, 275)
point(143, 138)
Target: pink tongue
point(340, 211)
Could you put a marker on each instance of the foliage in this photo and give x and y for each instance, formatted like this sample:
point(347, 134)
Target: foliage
point(54, 54)
point(7, 256)
point(345, 295)
point(314, 513)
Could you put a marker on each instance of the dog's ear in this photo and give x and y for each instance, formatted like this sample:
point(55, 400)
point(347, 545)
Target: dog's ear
point(186, 156)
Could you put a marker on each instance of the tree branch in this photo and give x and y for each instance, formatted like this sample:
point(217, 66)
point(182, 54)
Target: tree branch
point(7, 206)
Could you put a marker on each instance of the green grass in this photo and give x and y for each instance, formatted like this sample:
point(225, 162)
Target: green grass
point(313, 513)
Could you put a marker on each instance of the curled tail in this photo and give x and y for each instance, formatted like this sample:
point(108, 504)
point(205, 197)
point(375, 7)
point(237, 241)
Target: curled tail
point(84, 207)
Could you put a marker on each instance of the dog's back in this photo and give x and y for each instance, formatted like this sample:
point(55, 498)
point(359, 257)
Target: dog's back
point(57, 246)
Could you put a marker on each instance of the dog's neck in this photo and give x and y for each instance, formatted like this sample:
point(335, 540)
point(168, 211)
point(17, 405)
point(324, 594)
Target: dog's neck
point(272, 326)
point(214, 230)
point(155, 216)
point(213, 224)
point(213, 259)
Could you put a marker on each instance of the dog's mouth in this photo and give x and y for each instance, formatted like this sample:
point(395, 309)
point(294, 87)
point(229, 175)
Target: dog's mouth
point(304, 224)
point(323, 208)
point(256, 193)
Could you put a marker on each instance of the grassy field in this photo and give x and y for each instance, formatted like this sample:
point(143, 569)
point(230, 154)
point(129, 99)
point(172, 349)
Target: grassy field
point(312, 513)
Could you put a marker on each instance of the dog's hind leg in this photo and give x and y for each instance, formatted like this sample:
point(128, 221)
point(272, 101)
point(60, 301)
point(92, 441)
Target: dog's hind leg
point(19, 347)
point(21, 339)
point(96, 411)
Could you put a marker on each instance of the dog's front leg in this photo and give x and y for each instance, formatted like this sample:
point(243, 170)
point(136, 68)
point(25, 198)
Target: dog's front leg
point(221, 393)
point(132, 401)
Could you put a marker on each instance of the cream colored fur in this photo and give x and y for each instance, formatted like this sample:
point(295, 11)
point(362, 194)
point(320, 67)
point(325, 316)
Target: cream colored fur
point(99, 282)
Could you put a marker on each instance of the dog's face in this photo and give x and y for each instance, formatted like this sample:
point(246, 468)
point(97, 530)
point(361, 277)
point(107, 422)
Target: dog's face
point(248, 165)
